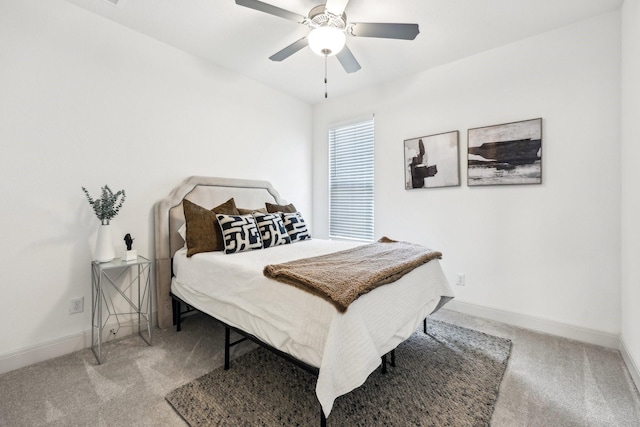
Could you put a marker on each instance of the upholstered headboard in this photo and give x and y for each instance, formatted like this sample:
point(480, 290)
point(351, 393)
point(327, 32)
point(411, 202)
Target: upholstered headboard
point(169, 217)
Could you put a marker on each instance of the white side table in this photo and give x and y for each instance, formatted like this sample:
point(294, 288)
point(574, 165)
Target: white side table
point(114, 273)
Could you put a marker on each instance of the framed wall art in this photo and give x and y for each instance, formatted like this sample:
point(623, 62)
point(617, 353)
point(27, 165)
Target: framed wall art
point(432, 161)
point(509, 153)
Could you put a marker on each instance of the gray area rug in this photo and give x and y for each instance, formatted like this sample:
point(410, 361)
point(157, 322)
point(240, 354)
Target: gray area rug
point(447, 378)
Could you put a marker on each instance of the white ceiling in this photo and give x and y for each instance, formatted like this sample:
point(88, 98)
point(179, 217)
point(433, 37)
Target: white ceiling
point(242, 39)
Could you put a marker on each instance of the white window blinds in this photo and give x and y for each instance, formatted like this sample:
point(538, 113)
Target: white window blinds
point(351, 156)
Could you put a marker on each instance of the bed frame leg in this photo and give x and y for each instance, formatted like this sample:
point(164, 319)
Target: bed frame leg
point(177, 317)
point(323, 419)
point(424, 325)
point(384, 360)
point(227, 346)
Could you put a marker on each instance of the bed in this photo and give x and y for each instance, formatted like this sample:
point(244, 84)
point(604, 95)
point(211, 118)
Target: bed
point(342, 348)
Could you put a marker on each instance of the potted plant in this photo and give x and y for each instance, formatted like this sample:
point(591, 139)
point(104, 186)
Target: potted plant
point(105, 208)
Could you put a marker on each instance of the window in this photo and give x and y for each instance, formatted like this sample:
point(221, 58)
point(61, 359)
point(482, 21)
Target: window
point(351, 181)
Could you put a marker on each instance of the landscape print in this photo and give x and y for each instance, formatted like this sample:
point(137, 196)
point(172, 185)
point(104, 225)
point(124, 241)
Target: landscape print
point(431, 161)
point(509, 153)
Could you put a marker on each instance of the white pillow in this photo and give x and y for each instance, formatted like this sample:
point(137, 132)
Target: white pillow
point(239, 232)
point(272, 230)
point(296, 227)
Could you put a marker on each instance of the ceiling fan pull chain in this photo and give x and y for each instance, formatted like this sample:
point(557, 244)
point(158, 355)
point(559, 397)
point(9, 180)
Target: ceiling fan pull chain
point(325, 76)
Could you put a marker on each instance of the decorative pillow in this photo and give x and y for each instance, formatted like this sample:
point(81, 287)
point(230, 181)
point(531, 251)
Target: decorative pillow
point(272, 230)
point(203, 233)
point(271, 208)
point(240, 233)
point(250, 211)
point(296, 227)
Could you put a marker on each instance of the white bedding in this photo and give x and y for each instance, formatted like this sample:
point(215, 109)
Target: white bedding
point(346, 347)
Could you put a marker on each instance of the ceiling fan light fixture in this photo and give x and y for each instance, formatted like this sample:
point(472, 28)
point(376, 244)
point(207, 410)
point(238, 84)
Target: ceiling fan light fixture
point(326, 41)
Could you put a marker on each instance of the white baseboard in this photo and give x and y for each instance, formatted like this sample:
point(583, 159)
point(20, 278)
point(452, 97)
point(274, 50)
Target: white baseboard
point(44, 351)
point(58, 347)
point(537, 324)
point(631, 364)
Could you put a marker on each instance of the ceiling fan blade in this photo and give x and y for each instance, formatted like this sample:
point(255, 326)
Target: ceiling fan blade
point(289, 50)
point(348, 61)
point(336, 7)
point(384, 31)
point(272, 10)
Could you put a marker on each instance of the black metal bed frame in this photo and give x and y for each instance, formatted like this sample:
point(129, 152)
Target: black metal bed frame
point(177, 320)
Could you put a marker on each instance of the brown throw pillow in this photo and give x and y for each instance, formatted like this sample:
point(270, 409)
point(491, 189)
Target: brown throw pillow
point(250, 211)
point(203, 232)
point(271, 208)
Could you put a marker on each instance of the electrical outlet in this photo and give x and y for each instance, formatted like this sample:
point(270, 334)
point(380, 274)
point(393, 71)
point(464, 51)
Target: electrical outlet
point(76, 305)
point(460, 281)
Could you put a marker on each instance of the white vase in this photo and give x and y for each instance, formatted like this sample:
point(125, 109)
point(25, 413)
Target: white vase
point(104, 244)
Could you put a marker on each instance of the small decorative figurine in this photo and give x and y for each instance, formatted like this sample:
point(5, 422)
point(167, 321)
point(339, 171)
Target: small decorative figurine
point(129, 241)
point(129, 254)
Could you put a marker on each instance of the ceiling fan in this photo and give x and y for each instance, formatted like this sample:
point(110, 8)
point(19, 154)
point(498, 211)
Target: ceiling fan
point(329, 28)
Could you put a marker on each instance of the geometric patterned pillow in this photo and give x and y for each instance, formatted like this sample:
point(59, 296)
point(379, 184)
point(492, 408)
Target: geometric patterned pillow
point(239, 232)
point(296, 227)
point(272, 229)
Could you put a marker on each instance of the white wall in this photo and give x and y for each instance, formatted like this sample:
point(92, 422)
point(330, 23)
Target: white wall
point(86, 102)
point(548, 252)
point(630, 178)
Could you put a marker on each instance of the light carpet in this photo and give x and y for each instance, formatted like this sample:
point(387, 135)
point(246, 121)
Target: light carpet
point(449, 377)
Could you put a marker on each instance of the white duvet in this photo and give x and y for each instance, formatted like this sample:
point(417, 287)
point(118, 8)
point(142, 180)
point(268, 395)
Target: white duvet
point(346, 347)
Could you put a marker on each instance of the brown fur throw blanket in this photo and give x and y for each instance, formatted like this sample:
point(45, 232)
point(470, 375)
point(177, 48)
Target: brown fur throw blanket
point(341, 277)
